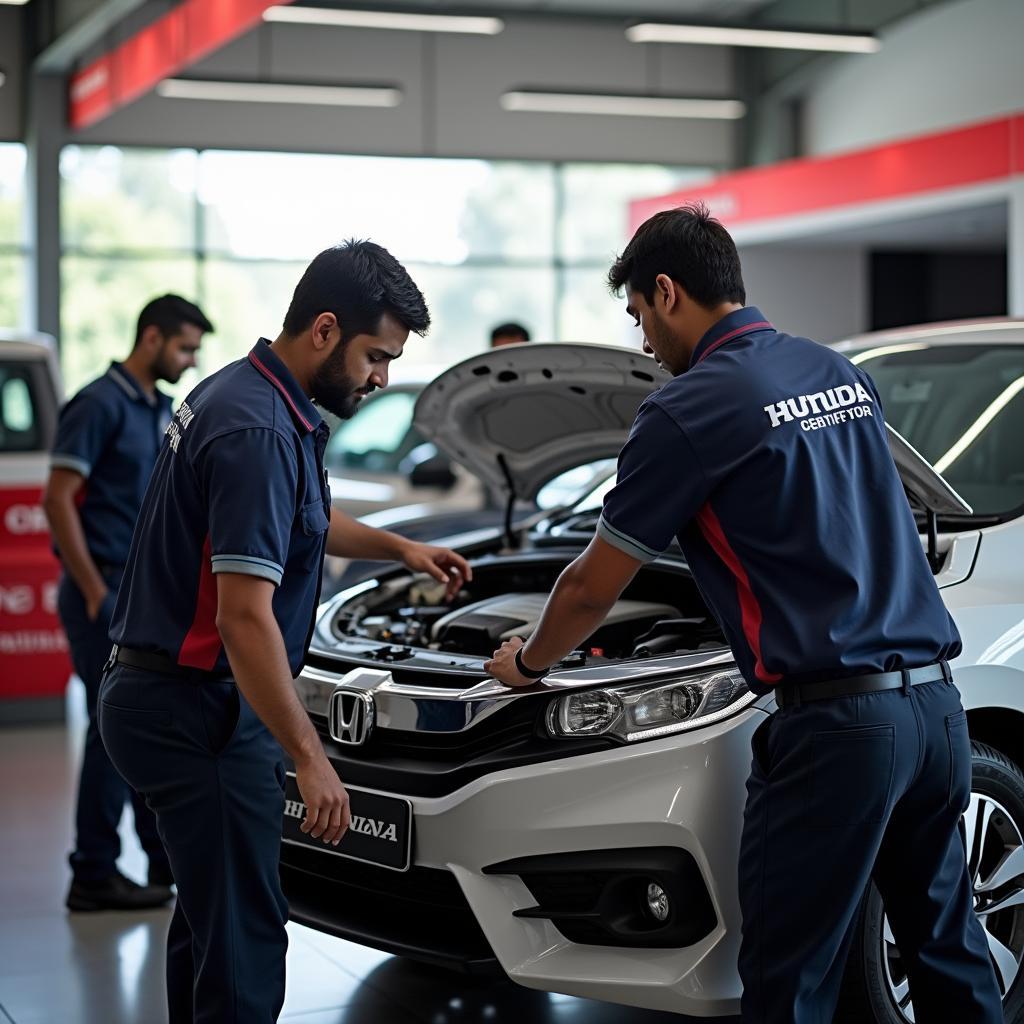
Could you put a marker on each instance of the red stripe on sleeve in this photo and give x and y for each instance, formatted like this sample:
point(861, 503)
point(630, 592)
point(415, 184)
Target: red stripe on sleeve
point(750, 609)
point(201, 646)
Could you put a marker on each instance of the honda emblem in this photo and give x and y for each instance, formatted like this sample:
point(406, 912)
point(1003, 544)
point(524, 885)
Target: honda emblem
point(350, 716)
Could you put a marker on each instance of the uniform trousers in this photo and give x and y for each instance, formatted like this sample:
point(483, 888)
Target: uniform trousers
point(214, 776)
point(840, 791)
point(102, 792)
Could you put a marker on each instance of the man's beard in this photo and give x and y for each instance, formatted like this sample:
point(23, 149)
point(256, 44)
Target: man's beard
point(333, 388)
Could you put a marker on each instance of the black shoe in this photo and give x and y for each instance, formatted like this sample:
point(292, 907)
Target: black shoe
point(116, 893)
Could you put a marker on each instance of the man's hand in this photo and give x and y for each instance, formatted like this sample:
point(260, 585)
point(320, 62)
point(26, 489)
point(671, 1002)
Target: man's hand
point(94, 602)
point(503, 665)
point(442, 563)
point(327, 808)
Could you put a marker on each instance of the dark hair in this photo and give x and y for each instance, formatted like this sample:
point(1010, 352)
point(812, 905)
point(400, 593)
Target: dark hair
point(688, 245)
point(510, 330)
point(170, 313)
point(358, 282)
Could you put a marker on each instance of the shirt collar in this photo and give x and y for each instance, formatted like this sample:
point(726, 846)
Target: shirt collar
point(267, 363)
point(129, 385)
point(734, 325)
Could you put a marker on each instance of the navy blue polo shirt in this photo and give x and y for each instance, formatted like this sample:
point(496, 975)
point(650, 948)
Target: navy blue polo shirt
point(239, 487)
point(110, 432)
point(768, 460)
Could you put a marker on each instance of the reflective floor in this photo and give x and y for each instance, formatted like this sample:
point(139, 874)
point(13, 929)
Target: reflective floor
point(61, 968)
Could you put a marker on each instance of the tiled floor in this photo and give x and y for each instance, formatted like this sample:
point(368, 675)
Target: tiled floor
point(60, 968)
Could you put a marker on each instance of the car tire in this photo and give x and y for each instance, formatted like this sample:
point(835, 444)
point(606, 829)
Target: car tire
point(873, 986)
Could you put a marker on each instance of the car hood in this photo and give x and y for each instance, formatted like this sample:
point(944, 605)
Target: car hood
point(519, 415)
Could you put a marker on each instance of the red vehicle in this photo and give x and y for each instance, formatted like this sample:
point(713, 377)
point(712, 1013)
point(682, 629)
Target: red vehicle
point(34, 663)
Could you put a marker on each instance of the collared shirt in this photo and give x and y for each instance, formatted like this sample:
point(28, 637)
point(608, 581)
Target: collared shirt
point(768, 461)
point(239, 487)
point(110, 432)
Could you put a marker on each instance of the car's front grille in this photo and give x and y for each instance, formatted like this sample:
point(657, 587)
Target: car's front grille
point(420, 913)
point(437, 763)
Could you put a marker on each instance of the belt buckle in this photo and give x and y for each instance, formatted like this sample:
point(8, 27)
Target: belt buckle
point(111, 659)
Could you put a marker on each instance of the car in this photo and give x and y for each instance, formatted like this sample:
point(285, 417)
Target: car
point(581, 836)
point(34, 661)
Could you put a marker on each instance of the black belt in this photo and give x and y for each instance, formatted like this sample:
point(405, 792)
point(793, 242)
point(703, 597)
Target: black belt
point(151, 661)
point(794, 694)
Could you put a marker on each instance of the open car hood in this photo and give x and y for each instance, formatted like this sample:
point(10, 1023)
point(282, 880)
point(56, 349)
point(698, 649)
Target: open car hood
point(519, 415)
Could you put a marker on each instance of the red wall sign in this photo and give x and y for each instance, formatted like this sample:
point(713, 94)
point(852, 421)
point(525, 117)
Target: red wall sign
point(191, 31)
point(980, 153)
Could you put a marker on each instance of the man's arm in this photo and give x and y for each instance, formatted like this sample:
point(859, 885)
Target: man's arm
point(66, 527)
point(579, 603)
point(259, 662)
point(349, 538)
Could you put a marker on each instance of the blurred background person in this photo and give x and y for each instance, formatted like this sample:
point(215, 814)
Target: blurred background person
point(509, 334)
point(108, 437)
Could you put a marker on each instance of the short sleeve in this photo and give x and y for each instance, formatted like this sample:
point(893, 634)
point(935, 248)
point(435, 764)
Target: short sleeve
point(660, 487)
point(250, 479)
point(84, 429)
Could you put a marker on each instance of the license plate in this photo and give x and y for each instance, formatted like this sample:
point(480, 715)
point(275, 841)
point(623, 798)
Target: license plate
point(380, 833)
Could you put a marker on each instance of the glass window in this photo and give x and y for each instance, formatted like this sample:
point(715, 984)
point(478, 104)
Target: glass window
point(12, 289)
point(292, 205)
point(246, 300)
point(378, 437)
point(100, 304)
point(589, 312)
point(127, 200)
point(961, 407)
point(466, 302)
point(19, 427)
point(595, 216)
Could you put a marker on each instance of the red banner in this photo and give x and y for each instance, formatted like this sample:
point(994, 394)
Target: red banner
point(980, 153)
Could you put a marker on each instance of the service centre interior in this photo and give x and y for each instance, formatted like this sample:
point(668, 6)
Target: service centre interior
point(511, 511)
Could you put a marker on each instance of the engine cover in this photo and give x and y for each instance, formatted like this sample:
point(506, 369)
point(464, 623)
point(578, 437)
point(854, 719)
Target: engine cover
point(482, 626)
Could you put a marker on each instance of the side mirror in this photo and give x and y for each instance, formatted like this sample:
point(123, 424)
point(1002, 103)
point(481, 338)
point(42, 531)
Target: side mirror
point(433, 472)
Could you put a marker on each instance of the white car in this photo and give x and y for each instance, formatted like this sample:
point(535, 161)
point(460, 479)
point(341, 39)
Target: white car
point(582, 836)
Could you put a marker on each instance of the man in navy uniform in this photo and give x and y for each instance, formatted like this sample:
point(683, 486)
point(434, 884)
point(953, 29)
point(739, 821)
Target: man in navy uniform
point(215, 616)
point(793, 520)
point(107, 442)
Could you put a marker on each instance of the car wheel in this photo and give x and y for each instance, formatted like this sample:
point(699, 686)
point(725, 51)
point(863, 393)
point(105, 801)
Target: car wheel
point(875, 988)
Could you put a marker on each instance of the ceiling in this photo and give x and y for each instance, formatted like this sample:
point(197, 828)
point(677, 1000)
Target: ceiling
point(676, 10)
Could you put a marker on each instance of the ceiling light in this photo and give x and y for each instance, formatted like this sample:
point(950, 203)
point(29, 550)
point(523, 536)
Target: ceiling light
point(280, 92)
point(385, 20)
point(623, 106)
point(770, 38)
point(13, 3)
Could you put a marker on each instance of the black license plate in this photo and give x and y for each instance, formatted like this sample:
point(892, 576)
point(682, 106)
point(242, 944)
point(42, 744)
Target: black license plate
point(380, 833)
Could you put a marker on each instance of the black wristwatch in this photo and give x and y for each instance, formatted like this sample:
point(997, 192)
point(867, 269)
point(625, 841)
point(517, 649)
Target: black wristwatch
point(528, 672)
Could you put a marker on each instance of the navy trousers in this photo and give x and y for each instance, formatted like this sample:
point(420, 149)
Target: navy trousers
point(214, 776)
point(841, 790)
point(102, 792)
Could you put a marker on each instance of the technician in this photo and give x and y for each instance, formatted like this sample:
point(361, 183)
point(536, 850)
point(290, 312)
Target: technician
point(766, 457)
point(215, 615)
point(108, 437)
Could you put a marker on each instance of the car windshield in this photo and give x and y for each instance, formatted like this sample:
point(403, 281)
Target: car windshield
point(960, 406)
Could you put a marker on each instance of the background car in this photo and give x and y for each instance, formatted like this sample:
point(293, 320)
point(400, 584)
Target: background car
point(34, 664)
point(582, 835)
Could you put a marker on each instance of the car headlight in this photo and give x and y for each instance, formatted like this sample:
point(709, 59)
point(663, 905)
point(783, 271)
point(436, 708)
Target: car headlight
point(645, 711)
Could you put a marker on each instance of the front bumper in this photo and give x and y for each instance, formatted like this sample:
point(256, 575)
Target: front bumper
point(684, 792)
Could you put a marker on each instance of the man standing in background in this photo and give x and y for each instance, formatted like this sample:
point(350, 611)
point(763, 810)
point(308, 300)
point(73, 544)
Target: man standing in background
point(509, 334)
point(107, 442)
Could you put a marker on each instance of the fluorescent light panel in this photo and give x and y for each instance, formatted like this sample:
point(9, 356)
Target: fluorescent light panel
point(623, 106)
point(769, 38)
point(280, 92)
point(13, 3)
point(385, 20)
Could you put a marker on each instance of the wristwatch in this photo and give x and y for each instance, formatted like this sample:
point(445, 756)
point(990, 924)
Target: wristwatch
point(528, 672)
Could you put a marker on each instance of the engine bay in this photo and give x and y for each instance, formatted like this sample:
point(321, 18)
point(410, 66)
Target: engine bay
point(660, 613)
